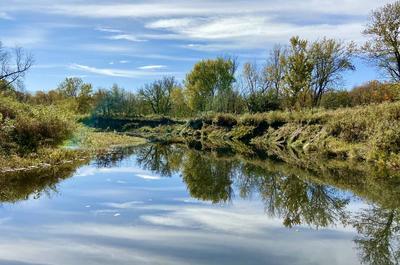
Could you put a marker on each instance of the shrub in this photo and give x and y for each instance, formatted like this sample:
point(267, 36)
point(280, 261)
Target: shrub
point(25, 127)
point(225, 120)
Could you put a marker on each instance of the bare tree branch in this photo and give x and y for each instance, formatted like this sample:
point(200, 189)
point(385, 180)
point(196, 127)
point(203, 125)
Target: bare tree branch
point(13, 66)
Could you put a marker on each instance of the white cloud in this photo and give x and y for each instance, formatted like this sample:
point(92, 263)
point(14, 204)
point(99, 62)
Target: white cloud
point(110, 30)
point(128, 37)
point(170, 23)
point(152, 67)
point(105, 71)
point(221, 25)
point(124, 61)
point(149, 177)
point(198, 8)
point(241, 32)
point(154, 239)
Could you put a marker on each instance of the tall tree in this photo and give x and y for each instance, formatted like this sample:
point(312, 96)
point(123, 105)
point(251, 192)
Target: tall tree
point(13, 66)
point(85, 98)
point(276, 67)
point(299, 67)
point(209, 83)
point(330, 59)
point(179, 103)
point(383, 46)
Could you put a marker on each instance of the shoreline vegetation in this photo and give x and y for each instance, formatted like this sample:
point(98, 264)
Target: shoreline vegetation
point(369, 134)
point(39, 136)
point(291, 106)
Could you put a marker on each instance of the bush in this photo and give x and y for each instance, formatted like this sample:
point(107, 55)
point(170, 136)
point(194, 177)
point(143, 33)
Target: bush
point(375, 92)
point(336, 99)
point(225, 120)
point(25, 128)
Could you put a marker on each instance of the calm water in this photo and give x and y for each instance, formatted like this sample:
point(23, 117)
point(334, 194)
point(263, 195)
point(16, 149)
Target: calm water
point(171, 205)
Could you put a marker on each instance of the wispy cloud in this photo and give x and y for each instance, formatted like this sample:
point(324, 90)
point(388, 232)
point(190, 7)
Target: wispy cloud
point(152, 67)
point(110, 30)
point(199, 8)
point(101, 47)
point(117, 72)
point(128, 37)
point(248, 32)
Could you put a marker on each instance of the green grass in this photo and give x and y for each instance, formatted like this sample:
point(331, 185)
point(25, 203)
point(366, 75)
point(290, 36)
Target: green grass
point(85, 138)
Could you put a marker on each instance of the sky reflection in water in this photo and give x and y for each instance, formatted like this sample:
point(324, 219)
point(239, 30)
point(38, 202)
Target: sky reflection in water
point(178, 206)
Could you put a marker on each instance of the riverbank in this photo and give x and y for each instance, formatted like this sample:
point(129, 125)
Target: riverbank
point(36, 136)
point(361, 134)
point(85, 144)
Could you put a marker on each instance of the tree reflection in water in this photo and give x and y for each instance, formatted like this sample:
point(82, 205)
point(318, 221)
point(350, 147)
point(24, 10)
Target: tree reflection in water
point(296, 195)
point(379, 235)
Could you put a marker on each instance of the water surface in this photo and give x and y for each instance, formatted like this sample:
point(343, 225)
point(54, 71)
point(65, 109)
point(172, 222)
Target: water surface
point(171, 205)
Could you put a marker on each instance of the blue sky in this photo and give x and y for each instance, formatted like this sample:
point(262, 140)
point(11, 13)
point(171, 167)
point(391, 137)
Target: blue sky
point(134, 42)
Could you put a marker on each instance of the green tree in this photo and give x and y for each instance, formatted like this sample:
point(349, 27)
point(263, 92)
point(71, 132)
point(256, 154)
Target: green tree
point(209, 83)
point(70, 87)
point(299, 67)
point(85, 98)
point(383, 46)
point(180, 107)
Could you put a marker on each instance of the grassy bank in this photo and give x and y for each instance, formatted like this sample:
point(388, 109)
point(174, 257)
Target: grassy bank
point(366, 133)
point(35, 136)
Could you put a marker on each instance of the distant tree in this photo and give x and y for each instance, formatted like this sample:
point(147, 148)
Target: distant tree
point(116, 102)
point(260, 92)
point(13, 66)
point(276, 67)
point(158, 95)
point(375, 92)
point(180, 107)
point(330, 58)
point(384, 44)
point(255, 79)
point(74, 90)
point(336, 99)
point(70, 87)
point(85, 98)
point(209, 83)
point(299, 67)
